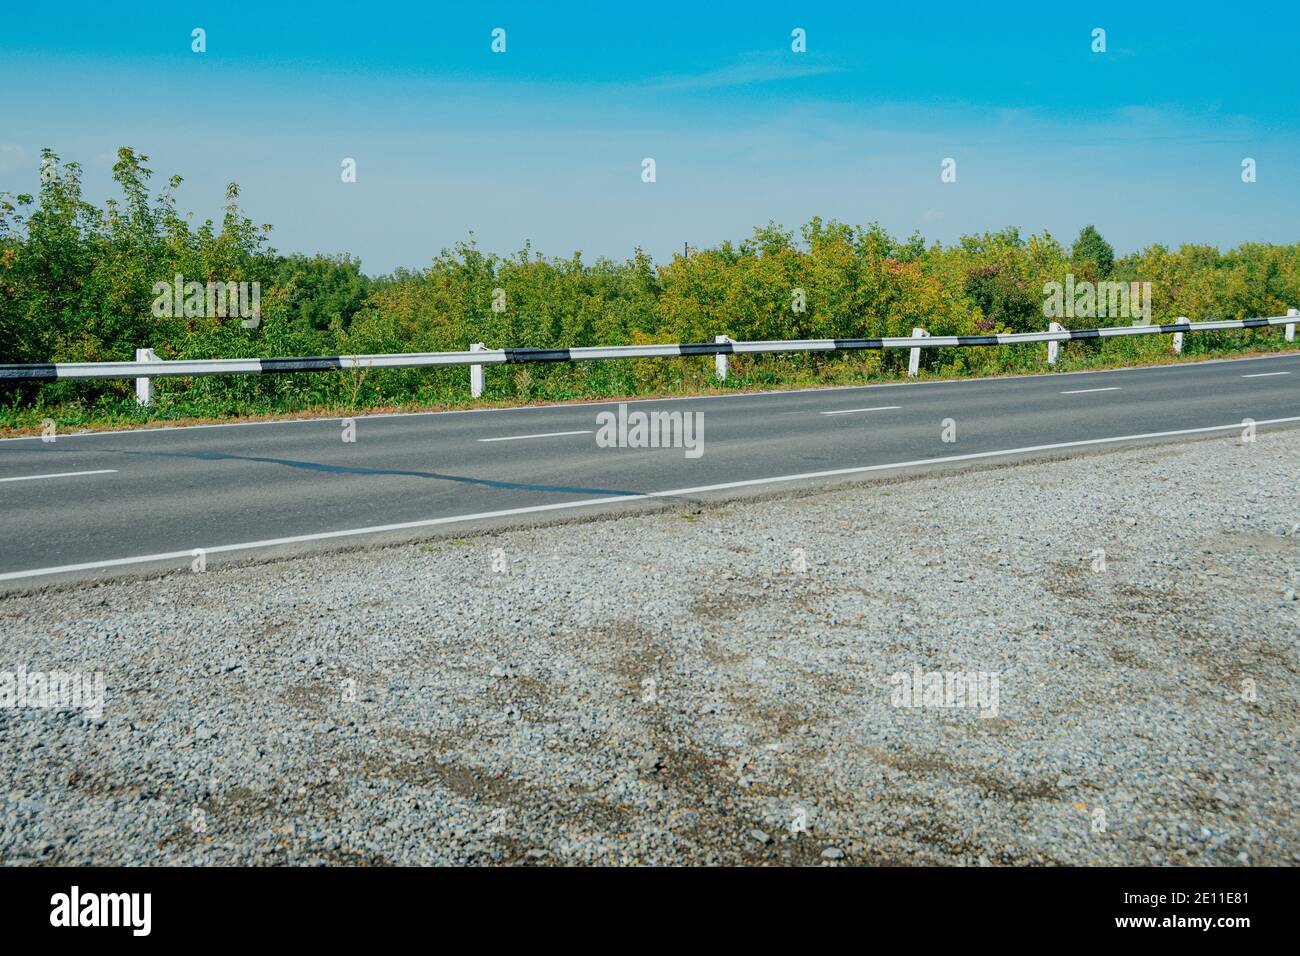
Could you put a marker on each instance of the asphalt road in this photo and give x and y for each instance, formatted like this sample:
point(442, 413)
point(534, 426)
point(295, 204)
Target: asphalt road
point(90, 505)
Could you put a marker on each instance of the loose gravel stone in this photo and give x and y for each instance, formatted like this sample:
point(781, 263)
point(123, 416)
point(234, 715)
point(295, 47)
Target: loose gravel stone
point(653, 690)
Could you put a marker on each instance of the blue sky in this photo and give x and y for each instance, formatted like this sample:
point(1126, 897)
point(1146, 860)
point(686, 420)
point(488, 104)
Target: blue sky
point(545, 141)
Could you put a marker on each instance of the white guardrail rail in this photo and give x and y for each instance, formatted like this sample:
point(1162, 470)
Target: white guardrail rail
point(479, 355)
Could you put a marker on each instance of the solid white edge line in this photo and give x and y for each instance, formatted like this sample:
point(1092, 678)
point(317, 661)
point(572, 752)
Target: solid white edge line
point(583, 431)
point(64, 474)
point(1081, 391)
point(850, 411)
point(1173, 366)
point(1264, 374)
point(588, 502)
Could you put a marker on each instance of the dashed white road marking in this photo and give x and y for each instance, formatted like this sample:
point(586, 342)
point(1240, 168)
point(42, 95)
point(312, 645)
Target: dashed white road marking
point(63, 474)
point(618, 499)
point(1081, 391)
point(850, 411)
point(1264, 374)
point(583, 431)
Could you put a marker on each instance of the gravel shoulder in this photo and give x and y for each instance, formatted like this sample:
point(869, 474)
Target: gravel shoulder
point(706, 686)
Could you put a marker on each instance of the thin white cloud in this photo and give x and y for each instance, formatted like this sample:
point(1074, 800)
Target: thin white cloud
point(754, 68)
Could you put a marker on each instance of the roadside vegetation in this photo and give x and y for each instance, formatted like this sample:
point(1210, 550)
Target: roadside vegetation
point(77, 285)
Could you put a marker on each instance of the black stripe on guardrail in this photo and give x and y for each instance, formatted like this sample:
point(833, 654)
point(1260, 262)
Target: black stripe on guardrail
point(537, 355)
point(29, 372)
point(707, 348)
point(50, 371)
point(850, 344)
point(320, 363)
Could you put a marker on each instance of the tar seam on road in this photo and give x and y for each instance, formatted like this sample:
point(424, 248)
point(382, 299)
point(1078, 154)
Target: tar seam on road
point(589, 502)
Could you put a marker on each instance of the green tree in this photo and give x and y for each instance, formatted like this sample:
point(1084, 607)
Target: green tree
point(1091, 247)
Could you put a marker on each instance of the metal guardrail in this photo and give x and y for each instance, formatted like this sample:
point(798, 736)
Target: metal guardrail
point(479, 355)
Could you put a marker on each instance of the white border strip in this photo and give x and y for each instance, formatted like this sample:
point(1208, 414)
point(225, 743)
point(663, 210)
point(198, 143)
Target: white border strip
point(615, 499)
point(64, 474)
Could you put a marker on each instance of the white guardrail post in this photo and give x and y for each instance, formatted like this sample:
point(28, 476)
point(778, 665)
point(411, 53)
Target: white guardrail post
point(1290, 326)
point(476, 373)
point(914, 357)
point(1178, 336)
point(144, 386)
point(720, 360)
point(1054, 348)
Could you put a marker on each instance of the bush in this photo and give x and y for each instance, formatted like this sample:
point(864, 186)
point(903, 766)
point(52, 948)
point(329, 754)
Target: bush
point(76, 284)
